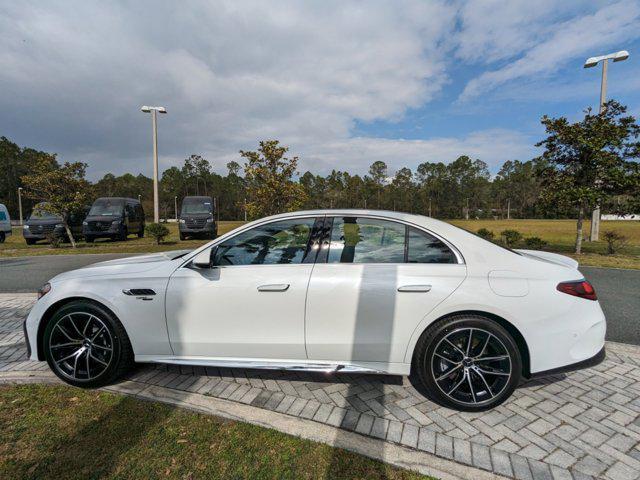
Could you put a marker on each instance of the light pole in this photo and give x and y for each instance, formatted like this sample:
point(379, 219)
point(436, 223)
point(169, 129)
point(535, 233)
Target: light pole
point(154, 111)
point(592, 62)
point(175, 205)
point(20, 203)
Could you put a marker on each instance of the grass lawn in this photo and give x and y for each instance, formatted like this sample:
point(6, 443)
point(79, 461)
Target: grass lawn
point(59, 432)
point(560, 235)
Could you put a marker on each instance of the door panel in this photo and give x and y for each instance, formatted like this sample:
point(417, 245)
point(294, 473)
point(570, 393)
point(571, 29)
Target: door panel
point(221, 312)
point(356, 313)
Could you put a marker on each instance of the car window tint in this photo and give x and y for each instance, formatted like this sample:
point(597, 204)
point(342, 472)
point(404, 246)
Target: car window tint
point(283, 242)
point(366, 240)
point(425, 248)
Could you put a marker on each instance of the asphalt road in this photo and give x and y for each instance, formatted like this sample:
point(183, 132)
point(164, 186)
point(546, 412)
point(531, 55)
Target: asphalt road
point(618, 290)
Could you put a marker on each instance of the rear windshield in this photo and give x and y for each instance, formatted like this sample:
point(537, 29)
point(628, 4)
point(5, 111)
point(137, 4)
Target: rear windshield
point(107, 206)
point(40, 214)
point(195, 206)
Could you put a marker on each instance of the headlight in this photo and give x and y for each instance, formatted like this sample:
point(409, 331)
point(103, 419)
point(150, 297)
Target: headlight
point(59, 225)
point(182, 220)
point(209, 220)
point(115, 222)
point(26, 227)
point(85, 223)
point(43, 290)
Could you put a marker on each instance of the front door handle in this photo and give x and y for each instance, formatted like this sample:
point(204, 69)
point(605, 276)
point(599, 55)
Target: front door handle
point(276, 287)
point(414, 288)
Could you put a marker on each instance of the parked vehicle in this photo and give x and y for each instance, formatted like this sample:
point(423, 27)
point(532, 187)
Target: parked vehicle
point(115, 218)
point(5, 223)
point(197, 218)
point(332, 291)
point(42, 225)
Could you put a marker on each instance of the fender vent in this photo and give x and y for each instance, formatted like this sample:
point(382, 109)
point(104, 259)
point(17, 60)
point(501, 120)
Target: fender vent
point(139, 292)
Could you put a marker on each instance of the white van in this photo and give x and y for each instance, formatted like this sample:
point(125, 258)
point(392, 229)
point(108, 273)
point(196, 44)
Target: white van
point(5, 223)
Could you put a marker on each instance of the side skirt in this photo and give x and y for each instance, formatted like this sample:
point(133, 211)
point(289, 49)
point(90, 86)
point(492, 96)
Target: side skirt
point(291, 365)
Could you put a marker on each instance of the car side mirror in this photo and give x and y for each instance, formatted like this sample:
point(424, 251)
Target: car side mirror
point(203, 259)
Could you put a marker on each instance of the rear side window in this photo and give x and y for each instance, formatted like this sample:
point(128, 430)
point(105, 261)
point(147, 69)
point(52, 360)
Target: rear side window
point(3, 216)
point(366, 240)
point(425, 248)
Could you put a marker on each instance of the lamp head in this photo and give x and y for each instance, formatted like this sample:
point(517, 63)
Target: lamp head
point(620, 56)
point(591, 62)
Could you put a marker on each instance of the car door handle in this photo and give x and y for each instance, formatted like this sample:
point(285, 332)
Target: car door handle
point(414, 288)
point(276, 287)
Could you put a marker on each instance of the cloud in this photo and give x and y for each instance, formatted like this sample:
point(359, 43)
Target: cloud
point(562, 42)
point(74, 75)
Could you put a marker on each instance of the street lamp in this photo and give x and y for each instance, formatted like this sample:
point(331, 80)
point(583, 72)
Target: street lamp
point(20, 203)
point(592, 62)
point(154, 111)
point(175, 205)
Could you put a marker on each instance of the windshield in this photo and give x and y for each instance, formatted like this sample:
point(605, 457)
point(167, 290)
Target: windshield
point(106, 206)
point(196, 207)
point(39, 214)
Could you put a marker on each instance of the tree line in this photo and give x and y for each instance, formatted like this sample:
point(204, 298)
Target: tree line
point(586, 163)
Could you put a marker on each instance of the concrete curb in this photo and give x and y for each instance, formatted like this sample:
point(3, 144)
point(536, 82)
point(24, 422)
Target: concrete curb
point(397, 455)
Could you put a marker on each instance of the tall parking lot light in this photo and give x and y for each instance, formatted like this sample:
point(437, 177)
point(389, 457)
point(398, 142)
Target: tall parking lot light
point(592, 62)
point(154, 111)
point(20, 203)
point(175, 205)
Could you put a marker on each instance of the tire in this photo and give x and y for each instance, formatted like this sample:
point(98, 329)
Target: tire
point(92, 329)
point(492, 381)
point(30, 241)
point(2, 237)
point(182, 236)
point(89, 239)
point(123, 235)
point(141, 232)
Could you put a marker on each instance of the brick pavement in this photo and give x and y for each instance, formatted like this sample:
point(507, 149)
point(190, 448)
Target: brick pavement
point(580, 425)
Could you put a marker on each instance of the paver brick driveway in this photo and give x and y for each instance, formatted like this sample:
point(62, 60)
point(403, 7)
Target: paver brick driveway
point(579, 425)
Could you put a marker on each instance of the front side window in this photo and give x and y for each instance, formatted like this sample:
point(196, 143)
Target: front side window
point(366, 240)
point(283, 242)
point(425, 248)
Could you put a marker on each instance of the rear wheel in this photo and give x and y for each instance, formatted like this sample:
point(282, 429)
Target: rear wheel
point(468, 362)
point(86, 346)
point(2, 237)
point(123, 234)
point(141, 232)
point(30, 241)
point(89, 238)
point(182, 236)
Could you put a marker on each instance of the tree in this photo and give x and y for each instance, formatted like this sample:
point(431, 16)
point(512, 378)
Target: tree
point(64, 190)
point(587, 162)
point(158, 231)
point(269, 177)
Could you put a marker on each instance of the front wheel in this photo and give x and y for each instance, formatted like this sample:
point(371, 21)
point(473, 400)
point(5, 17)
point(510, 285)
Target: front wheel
point(2, 237)
point(468, 362)
point(86, 346)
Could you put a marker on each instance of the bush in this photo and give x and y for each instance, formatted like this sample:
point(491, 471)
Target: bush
point(510, 237)
point(615, 241)
point(158, 231)
point(54, 240)
point(535, 243)
point(486, 234)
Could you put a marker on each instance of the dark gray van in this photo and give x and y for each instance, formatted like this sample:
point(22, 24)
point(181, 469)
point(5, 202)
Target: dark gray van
point(197, 218)
point(42, 225)
point(115, 218)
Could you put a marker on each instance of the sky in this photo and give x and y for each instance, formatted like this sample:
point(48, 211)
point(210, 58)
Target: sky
point(342, 83)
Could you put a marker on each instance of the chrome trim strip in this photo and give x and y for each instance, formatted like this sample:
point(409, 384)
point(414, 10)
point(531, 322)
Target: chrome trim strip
point(306, 367)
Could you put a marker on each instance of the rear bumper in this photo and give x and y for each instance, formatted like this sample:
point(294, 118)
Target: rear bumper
point(588, 363)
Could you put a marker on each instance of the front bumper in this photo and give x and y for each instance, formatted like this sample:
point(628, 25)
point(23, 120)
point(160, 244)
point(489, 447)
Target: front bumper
point(209, 228)
point(40, 235)
point(112, 231)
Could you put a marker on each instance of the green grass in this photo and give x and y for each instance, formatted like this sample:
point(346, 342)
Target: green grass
point(59, 432)
point(560, 235)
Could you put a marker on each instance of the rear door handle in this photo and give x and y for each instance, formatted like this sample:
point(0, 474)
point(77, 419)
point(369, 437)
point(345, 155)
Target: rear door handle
point(414, 288)
point(276, 287)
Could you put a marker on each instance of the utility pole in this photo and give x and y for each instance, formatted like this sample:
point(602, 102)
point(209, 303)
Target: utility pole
point(592, 62)
point(509, 209)
point(245, 209)
point(175, 206)
point(20, 203)
point(154, 124)
point(429, 206)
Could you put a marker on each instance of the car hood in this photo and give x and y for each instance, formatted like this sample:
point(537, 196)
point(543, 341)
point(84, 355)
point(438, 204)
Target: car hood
point(549, 257)
point(123, 266)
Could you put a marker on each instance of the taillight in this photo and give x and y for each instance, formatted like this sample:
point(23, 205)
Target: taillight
point(581, 288)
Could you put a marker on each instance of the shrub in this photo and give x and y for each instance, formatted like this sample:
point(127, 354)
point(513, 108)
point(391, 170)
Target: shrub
point(535, 243)
point(158, 231)
point(510, 237)
point(615, 241)
point(486, 234)
point(54, 240)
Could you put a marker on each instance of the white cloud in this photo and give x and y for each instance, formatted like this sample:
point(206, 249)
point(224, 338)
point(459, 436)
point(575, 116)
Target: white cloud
point(562, 42)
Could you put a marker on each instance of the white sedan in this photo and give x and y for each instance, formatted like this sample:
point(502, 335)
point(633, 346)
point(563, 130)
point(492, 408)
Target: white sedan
point(329, 290)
